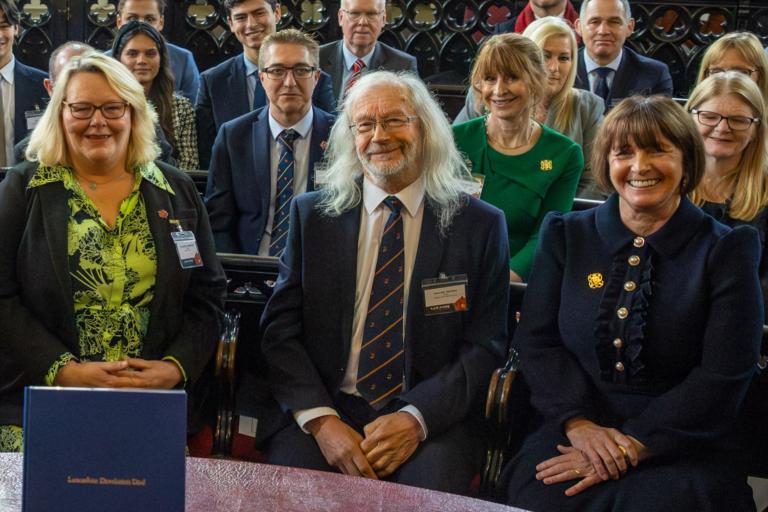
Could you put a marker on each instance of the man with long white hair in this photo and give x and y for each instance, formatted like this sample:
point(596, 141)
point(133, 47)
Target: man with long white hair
point(389, 314)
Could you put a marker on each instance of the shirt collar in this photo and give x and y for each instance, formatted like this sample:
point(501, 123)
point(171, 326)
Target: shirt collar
point(250, 67)
point(7, 70)
point(302, 127)
point(592, 65)
point(59, 173)
point(350, 58)
point(667, 241)
point(411, 196)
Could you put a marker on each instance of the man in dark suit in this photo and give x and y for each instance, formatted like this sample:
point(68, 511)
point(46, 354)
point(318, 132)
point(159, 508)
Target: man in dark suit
point(534, 10)
point(389, 313)
point(232, 88)
point(23, 97)
point(607, 67)
point(249, 184)
point(361, 22)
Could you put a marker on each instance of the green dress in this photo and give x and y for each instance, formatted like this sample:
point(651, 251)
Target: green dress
point(112, 271)
point(525, 186)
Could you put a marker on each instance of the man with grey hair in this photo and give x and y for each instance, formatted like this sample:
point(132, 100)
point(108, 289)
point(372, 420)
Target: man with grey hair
point(389, 314)
point(606, 66)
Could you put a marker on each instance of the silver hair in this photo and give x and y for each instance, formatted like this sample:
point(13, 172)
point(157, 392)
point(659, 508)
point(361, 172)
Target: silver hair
point(446, 177)
point(624, 5)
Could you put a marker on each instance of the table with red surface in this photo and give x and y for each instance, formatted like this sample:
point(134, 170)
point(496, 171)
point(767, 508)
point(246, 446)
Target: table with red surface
point(215, 484)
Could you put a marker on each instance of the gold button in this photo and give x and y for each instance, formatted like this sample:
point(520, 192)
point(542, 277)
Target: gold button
point(619, 367)
point(630, 286)
point(617, 343)
point(622, 313)
point(638, 241)
point(634, 260)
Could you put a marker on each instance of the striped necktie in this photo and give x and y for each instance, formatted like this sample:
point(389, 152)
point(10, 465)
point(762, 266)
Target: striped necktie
point(357, 70)
point(381, 366)
point(284, 192)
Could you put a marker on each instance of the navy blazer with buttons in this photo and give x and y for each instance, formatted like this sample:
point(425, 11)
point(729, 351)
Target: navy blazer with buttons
point(223, 96)
point(636, 75)
point(307, 322)
point(687, 343)
point(239, 180)
point(30, 94)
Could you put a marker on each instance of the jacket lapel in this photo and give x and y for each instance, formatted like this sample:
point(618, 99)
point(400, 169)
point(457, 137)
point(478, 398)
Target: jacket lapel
point(320, 129)
point(620, 84)
point(582, 81)
point(345, 263)
point(261, 163)
point(237, 85)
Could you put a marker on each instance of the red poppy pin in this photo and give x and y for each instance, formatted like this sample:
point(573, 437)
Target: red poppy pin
point(163, 214)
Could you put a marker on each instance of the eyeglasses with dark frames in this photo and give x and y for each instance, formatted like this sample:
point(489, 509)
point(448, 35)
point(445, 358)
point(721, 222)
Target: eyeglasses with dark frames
point(735, 123)
point(391, 123)
point(280, 72)
point(111, 110)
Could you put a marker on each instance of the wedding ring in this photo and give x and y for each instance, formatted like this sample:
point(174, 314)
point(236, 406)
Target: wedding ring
point(577, 471)
point(626, 455)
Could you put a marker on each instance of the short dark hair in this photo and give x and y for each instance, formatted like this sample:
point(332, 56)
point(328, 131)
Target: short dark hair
point(161, 4)
point(229, 4)
point(10, 11)
point(642, 119)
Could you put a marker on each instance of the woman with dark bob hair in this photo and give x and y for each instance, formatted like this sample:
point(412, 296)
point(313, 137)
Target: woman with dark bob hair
point(639, 334)
point(108, 271)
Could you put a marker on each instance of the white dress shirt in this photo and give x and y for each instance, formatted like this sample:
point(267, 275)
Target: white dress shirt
point(592, 65)
point(300, 167)
point(9, 107)
point(373, 217)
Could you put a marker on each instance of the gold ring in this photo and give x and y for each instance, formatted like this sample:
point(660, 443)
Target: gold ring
point(577, 471)
point(624, 452)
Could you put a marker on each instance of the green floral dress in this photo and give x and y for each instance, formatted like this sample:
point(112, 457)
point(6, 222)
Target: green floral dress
point(113, 276)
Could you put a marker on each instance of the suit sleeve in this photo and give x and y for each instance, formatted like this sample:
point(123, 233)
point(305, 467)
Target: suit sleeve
point(702, 408)
point(414, 66)
point(453, 393)
point(206, 126)
point(22, 335)
point(220, 197)
point(559, 198)
point(323, 97)
point(664, 86)
point(203, 306)
point(293, 377)
point(190, 79)
point(560, 389)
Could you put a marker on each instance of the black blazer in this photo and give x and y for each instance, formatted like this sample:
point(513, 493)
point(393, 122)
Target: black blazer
point(636, 75)
point(307, 323)
point(384, 57)
point(36, 305)
point(29, 94)
point(223, 96)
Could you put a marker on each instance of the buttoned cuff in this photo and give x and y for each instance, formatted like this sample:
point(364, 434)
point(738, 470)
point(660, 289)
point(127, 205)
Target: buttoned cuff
point(304, 416)
point(413, 411)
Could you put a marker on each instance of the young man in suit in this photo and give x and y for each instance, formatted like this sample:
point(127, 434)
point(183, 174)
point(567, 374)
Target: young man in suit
point(389, 314)
point(185, 74)
point(606, 66)
point(264, 158)
point(232, 88)
point(21, 87)
point(359, 50)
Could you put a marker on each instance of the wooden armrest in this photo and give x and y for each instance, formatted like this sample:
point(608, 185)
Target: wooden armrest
point(224, 371)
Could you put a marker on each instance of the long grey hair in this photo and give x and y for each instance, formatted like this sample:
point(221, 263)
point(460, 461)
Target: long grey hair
point(446, 177)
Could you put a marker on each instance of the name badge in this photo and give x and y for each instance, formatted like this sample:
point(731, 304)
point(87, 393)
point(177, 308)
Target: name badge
point(33, 117)
point(186, 248)
point(321, 174)
point(445, 294)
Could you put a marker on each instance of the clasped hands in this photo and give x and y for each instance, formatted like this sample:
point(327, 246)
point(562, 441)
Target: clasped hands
point(596, 454)
point(128, 373)
point(389, 441)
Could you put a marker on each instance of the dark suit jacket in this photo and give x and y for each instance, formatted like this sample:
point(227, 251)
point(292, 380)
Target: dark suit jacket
point(239, 187)
point(384, 57)
point(307, 323)
point(223, 96)
point(636, 75)
point(30, 94)
point(36, 305)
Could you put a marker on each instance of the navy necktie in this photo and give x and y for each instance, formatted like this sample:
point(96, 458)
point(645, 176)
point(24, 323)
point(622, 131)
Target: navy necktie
point(601, 83)
point(283, 193)
point(381, 366)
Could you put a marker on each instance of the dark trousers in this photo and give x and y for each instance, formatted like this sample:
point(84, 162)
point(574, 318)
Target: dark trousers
point(443, 462)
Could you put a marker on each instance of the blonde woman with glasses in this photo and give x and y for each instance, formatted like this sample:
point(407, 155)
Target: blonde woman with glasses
point(741, 52)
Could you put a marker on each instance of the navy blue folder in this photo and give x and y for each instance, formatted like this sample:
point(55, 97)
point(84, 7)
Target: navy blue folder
point(104, 450)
